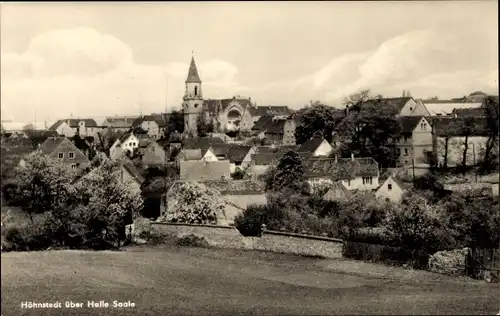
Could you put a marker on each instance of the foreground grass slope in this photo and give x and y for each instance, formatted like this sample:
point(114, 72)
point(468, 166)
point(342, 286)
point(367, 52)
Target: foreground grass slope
point(178, 281)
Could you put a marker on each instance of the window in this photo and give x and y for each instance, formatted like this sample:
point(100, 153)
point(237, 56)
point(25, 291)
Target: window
point(348, 183)
point(389, 187)
point(406, 138)
point(71, 155)
point(196, 105)
point(423, 125)
point(398, 151)
point(406, 151)
point(73, 166)
point(387, 199)
point(60, 155)
point(411, 108)
point(367, 180)
point(195, 90)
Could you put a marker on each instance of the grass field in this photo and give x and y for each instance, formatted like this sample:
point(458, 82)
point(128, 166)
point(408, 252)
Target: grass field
point(180, 281)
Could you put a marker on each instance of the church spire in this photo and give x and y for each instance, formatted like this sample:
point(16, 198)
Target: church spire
point(193, 73)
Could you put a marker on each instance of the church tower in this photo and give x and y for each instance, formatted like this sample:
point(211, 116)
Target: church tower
point(192, 100)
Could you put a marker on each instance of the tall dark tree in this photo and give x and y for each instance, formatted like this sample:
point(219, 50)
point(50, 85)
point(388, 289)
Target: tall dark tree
point(370, 129)
point(204, 126)
point(317, 119)
point(175, 123)
point(288, 174)
point(492, 112)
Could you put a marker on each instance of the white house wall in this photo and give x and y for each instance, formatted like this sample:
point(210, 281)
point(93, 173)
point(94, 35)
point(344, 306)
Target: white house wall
point(357, 184)
point(324, 149)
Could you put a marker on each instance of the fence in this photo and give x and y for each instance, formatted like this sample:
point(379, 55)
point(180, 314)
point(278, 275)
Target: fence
point(385, 254)
point(483, 263)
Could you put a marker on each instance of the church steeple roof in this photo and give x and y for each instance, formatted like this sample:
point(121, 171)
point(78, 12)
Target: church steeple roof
point(193, 72)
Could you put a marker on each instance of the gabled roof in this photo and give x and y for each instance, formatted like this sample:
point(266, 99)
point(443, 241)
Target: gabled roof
point(261, 123)
point(50, 144)
point(397, 103)
point(201, 142)
point(459, 126)
point(310, 145)
point(260, 159)
point(270, 110)
point(233, 152)
point(204, 170)
point(341, 168)
point(120, 121)
point(160, 118)
point(275, 126)
point(73, 123)
point(436, 108)
point(401, 184)
point(193, 73)
point(265, 149)
point(191, 154)
point(409, 123)
point(134, 172)
point(471, 112)
point(234, 186)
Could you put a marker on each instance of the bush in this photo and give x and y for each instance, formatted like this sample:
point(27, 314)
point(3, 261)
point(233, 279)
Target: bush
point(385, 254)
point(193, 241)
point(26, 237)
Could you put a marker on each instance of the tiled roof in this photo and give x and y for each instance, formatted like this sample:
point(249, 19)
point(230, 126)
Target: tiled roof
point(401, 184)
point(204, 170)
point(50, 144)
point(233, 152)
point(73, 123)
point(341, 168)
point(193, 72)
point(397, 103)
point(337, 185)
point(284, 149)
point(472, 112)
point(120, 122)
point(160, 118)
point(201, 142)
point(271, 110)
point(261, 123)
point(275, 126)
point(266, 149)
point(260, 159)
point(409, 123)
point(446, 108)
point(310, 145)
point(457, 126)
point(234, 186)
point(129, 166)
point(191, 154)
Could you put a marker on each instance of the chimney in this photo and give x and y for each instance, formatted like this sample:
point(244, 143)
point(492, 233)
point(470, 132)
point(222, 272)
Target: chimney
point(404, 93)
point(352, 157)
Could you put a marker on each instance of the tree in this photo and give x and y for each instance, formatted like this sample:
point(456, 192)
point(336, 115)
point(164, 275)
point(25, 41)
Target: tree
point(288, 175)
point(44, 184)
point(357, 98)
point(175, 123)
point(491, 108)
point(29, 129)
point(317, 119)
point(370, 129)
point(193, 203)
point(106, 204)
point(204, 126)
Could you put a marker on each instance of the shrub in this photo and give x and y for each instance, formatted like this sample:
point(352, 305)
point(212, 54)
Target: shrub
point(193, 241)
point(33, 236)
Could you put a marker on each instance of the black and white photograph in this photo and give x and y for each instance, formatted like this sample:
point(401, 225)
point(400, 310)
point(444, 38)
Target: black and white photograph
point(250, 158)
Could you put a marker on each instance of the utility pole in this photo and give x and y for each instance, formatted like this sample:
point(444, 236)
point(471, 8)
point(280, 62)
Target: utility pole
point(165, 149)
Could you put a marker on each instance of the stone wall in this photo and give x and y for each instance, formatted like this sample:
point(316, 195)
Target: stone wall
point(230, 237)
point(299, 244)
point(216, 236)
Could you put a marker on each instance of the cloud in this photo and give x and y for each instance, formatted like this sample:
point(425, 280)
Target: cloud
point(427, 62)
point(83, 72)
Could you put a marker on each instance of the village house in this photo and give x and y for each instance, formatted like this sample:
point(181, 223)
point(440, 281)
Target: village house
point(237, 195)
point(392, 190)
point(449, 134)
point(121, 124)
point(354, 173)
point(151, 153)
point(337, 192)
point(263, 160)
point(405, 105)
point(64, 150)
point(71, 127)
point(154, 124)
point(127, 144)
point(415, 141)
point(127, 175)
point(205, 170)
point(239, 156)
point(316, 146)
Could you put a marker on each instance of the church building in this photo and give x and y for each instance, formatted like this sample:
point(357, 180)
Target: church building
point(232, 114)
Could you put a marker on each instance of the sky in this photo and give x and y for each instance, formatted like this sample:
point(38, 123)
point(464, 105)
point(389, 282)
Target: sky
point(94, 59)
